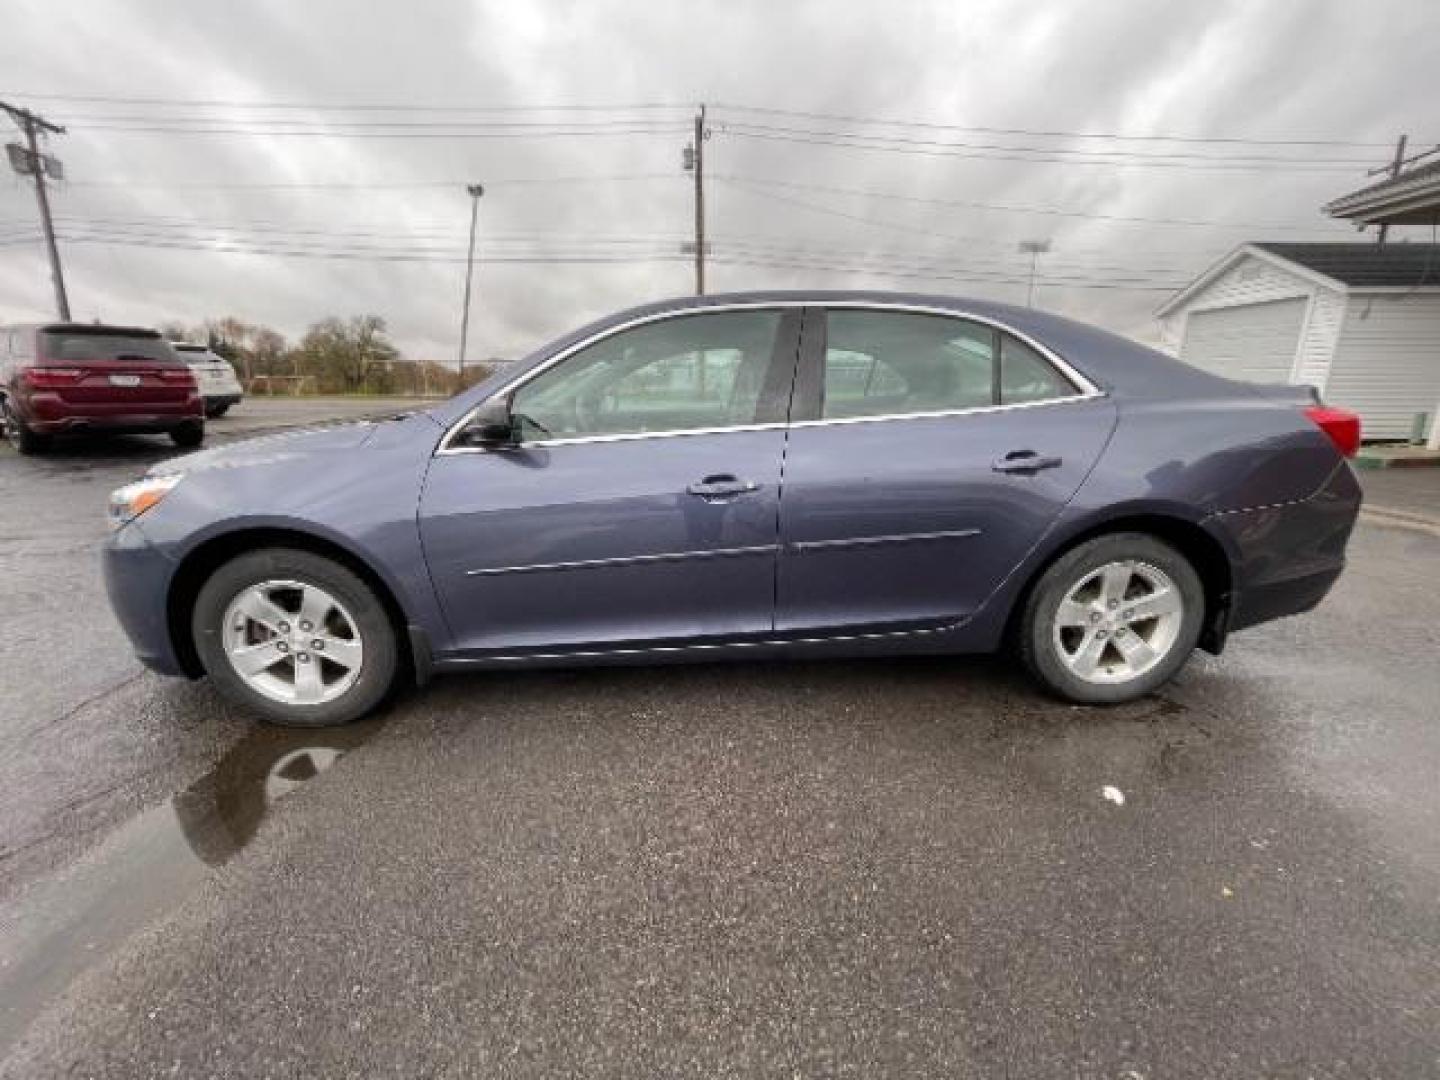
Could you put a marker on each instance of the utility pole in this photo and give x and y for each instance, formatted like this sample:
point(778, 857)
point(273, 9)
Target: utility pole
point(1395, 166)
point(475, 191)
point(1035, 248)
point(698, 162)
point(27, 159)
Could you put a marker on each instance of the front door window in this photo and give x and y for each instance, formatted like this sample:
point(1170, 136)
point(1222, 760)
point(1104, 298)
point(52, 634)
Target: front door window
point(693, 373)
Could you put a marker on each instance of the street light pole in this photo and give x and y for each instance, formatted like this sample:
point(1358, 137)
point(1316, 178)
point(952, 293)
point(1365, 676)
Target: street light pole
point(1035, 248)
point(475, 191)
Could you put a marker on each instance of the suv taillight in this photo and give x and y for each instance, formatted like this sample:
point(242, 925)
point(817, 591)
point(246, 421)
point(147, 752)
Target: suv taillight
point(48, 378)
point(1342, 425)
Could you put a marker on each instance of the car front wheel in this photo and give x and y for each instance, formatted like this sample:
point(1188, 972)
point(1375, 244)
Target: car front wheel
point(295, 637)
point(1112, 619)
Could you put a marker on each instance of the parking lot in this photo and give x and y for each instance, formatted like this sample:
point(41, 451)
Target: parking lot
point(916, 867)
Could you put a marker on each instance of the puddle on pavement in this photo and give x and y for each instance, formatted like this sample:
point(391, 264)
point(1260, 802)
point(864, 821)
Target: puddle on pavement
point(70, 922)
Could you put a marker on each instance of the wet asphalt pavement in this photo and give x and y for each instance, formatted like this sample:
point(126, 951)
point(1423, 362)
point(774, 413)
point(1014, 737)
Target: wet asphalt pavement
point(881, 868)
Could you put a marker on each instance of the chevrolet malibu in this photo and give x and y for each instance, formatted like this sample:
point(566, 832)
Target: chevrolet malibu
point(768, 474)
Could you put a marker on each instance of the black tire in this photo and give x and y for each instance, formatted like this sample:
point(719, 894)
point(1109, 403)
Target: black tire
point(20, 436)
point(188, 436)
point(217, 410)
point(1037, 645)
point(381, 655)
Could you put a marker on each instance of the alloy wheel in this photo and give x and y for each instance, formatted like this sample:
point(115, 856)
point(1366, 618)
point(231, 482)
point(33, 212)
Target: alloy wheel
point(293, 642)
point(1118, 622)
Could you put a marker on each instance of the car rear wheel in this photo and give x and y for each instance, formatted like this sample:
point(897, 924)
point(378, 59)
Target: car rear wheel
point(1113, 619)
point(296, 637)
point(188, 435)
point(19, 436)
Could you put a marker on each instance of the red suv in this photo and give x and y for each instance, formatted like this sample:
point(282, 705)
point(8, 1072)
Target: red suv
point(60, 378)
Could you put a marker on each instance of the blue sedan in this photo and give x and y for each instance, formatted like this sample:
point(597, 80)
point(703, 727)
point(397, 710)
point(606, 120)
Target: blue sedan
point(765, 474)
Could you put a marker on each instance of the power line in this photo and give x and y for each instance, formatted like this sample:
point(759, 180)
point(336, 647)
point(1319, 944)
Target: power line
point(373, 254)
point(401, 133)
point(864, 219)
point(1041, 133)
point(350, 107)
point(1139, 155)
point(970, 204)
point(938, 275)
point(684, 107)
point(398, 185)
point(439, 237)
point(1032, 155)
point(548, 243)
point(775, 258)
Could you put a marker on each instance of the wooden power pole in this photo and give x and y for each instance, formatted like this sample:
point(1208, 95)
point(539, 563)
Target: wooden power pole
point(700, 202)
point(1395, 167)
point(27, 160)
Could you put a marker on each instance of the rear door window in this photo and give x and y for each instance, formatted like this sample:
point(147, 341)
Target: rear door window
point(897, 363)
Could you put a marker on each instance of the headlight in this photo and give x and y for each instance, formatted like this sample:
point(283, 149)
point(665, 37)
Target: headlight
point(132, 500)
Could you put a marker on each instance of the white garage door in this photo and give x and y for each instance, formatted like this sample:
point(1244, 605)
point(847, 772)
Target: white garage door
point(1255, 342)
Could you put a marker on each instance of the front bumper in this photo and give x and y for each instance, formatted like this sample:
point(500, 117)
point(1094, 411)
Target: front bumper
point(137, 581)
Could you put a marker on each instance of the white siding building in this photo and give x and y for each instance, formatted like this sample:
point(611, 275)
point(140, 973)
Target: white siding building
point(1360, 323)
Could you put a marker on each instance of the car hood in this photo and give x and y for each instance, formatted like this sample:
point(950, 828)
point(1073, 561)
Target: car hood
point(271, 449)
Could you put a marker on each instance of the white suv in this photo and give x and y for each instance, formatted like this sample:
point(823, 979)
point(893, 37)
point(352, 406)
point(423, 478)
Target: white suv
point(218, 384)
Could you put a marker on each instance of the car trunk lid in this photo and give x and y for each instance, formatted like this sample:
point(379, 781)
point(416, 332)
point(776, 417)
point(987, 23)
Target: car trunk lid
point(104, 366)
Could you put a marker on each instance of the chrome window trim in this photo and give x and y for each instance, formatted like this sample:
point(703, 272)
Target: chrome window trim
point(976, 410)
point(1087, 389)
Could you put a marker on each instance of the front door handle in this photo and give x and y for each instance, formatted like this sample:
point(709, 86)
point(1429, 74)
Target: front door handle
point(1026, 462)
point(723, 486)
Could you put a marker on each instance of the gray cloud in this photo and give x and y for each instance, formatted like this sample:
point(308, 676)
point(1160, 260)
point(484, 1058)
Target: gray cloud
point(1272, 70)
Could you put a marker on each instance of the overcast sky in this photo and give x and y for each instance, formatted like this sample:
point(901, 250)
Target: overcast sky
point(407, 101)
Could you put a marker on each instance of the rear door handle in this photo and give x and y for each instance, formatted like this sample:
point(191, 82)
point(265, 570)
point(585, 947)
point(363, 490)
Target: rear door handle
point(722, 486)
point(1025, 462)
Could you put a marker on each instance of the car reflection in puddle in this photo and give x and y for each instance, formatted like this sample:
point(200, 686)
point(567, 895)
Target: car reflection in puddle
point(149, 865)
point(221, 812)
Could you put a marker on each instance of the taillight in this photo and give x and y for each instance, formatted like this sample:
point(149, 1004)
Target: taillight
point(48, 378)
point(1342, 425)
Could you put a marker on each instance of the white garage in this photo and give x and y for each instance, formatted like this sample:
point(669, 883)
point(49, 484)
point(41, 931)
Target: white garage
point(1248, 341)
point(1359, 322)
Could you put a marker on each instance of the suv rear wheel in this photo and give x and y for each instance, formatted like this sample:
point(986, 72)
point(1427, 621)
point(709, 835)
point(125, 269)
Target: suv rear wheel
point(295, 637)
point(188, 435)
point(19, 436)
point(1112, 619)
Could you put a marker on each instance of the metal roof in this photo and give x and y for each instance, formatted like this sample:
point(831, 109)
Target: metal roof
point(1365, 265)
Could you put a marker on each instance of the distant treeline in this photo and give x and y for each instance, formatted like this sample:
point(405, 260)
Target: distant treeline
point(336, 356)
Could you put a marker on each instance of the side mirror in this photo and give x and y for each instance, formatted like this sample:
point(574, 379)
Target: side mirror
point(492, 425)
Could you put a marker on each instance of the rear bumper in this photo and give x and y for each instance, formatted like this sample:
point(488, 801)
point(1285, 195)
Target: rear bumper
point(114, 425)
point(222, 399)
point(48, 414)
point(1286, 558)
point(137, 581)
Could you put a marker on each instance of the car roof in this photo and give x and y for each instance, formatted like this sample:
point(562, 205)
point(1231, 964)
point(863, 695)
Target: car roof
point(97, 329)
